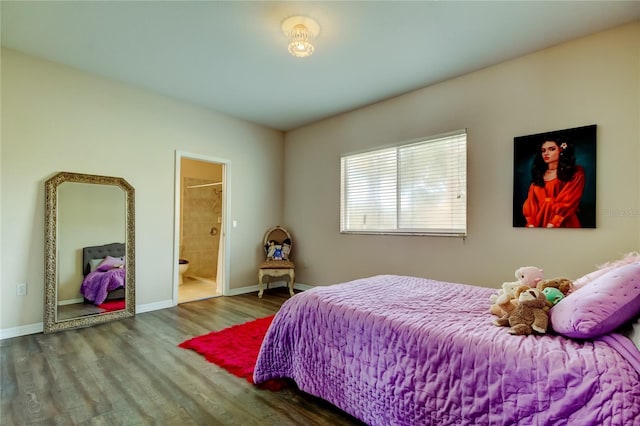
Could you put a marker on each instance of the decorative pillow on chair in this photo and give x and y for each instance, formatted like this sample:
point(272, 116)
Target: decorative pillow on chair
point(601, 306)
point(286, 249)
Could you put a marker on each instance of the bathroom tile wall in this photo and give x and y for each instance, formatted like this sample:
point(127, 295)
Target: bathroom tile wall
point(201, 208)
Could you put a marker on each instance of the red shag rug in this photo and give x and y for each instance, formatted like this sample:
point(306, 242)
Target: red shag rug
point(113, 305)
point(235, 349)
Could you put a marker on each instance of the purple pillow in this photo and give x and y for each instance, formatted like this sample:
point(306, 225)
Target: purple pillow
point(110, 263)
point(586, 279)
point(601, 306)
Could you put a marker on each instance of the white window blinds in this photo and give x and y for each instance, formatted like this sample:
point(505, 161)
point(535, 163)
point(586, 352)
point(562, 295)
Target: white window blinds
point(413, 188)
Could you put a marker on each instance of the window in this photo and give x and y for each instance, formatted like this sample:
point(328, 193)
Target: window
point(417, 187)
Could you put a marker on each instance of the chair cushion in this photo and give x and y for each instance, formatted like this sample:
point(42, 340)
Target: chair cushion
point(277, 264)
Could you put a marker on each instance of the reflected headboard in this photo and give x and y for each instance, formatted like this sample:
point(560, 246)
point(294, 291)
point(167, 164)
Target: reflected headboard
point(100, 252)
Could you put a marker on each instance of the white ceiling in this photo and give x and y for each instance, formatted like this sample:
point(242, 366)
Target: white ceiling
point(232, 56)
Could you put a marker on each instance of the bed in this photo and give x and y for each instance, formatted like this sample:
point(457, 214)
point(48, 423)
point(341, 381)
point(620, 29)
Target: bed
point(398, 350)
point(104, 273)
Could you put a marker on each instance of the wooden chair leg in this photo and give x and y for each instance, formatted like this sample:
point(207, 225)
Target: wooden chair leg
point(260, 289)
point(292, 275)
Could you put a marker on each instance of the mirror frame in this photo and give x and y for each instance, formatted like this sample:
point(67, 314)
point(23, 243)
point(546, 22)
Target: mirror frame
point(51, 324)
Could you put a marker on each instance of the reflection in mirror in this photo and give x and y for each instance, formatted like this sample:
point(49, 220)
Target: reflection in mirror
point(89, 250)
point(88, 214)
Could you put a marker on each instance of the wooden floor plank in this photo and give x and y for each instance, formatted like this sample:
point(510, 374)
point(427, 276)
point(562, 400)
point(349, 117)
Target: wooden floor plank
point(131, 372)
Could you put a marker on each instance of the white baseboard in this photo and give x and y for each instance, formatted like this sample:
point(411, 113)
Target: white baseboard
point(275, 284)
point(148, 307)
point(302, 287)
point(70, 302)
point(24, 330)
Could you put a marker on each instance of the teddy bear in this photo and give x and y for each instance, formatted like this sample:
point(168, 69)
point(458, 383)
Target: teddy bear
point(506, 302)
point(529, 316)
point(555, 289)
point(503, 301)
point(565, 285)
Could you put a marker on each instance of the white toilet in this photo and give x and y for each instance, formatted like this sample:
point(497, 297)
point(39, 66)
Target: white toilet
point(183, 265)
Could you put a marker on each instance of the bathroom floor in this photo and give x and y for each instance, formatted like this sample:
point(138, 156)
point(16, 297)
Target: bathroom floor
point(196, 288)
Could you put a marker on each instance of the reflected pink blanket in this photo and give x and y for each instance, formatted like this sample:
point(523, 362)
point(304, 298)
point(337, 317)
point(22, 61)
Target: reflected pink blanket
point(395, 350)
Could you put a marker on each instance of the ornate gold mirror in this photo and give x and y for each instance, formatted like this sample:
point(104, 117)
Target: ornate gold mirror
point(89, 250)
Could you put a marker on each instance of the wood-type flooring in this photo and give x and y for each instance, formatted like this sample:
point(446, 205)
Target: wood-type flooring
point(131, 372)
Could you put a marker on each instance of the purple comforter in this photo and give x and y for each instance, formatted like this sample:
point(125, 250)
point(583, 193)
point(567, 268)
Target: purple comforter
point(97, 284)
point(394, 350)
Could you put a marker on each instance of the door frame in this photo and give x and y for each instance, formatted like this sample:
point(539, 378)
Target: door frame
point(222, 278)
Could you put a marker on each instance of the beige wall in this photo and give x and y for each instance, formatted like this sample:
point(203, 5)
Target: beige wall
point(593, 80)
point(55, 118)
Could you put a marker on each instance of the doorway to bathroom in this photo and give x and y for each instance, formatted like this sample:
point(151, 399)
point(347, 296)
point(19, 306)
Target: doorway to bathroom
point(199, 232)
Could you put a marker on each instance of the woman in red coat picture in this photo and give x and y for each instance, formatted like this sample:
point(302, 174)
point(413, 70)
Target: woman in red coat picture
point(556, 187)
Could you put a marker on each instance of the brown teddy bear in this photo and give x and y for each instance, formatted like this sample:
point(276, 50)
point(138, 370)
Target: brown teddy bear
point(529, 315)
point(555, 289)
point(565, 285)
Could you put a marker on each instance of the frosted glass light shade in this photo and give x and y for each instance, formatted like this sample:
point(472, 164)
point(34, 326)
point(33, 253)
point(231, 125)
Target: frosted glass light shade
point(301, 32)
point(301, 41)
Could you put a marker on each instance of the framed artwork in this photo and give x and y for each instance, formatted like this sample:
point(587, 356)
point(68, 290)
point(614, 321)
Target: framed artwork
point(554, 179)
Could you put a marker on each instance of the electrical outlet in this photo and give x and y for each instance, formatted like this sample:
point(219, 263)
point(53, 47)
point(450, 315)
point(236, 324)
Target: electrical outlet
point(21, 289)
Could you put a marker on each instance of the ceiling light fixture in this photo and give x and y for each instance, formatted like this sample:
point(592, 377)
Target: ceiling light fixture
point(301, 32)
